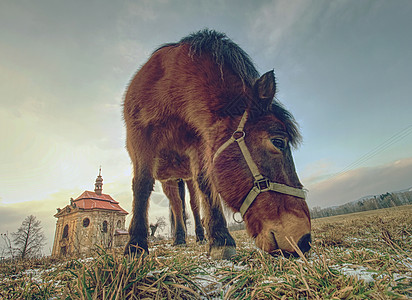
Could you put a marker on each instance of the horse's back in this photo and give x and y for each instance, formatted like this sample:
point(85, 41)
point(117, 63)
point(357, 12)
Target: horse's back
point(155, 112)
point(157, 88)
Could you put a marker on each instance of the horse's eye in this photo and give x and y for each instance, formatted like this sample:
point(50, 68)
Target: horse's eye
point(279, 143)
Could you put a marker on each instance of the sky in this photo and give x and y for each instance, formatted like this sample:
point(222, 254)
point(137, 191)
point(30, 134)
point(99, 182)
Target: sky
point(343, 69)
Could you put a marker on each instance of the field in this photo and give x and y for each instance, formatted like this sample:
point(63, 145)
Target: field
point(358, 256)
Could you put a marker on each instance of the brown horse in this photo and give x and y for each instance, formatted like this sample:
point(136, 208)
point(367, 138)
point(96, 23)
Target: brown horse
point(198, 110)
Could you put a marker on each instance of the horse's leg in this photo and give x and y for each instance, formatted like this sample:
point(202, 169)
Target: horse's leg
point(194, 204)
point(182, 194)
point(221, 243)
point(171, 190)
point(142, 186)
point(172, 221)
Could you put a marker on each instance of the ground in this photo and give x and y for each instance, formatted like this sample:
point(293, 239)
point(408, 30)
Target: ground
point(358, 256)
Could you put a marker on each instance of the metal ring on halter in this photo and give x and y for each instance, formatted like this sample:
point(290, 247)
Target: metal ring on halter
point(234, 218)
point(240, 133)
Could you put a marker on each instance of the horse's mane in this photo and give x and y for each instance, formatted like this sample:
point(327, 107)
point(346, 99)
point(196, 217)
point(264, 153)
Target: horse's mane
point(225, 51)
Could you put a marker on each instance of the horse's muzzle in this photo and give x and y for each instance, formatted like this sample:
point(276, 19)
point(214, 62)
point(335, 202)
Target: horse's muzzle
point(303, 244)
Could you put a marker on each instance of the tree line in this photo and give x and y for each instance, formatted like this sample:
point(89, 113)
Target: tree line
point(368, 203)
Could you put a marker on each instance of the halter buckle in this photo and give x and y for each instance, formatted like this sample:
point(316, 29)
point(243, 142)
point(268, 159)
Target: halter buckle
point(263, 184)
point(237, 135)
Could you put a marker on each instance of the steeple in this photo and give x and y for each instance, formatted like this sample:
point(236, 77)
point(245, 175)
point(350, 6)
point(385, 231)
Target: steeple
point(98, 186)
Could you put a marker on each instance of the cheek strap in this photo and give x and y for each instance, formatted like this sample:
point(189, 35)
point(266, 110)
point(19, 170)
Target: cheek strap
point(261, 183)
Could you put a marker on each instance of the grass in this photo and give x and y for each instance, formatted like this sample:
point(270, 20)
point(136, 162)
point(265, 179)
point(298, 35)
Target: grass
point(358, 256)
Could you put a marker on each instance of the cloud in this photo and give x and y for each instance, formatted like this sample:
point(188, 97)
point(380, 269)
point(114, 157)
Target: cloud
point(361, 182)
point(276, 19)
point(316, 171)
point(279, 26)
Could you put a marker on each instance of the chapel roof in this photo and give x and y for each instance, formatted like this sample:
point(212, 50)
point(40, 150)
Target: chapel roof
point(91, 200)
point(94, 200)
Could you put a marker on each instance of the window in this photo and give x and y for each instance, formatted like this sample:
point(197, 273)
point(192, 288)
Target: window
point(119, 224)
point(104, 229)
point(66, 232)
point(86, 222)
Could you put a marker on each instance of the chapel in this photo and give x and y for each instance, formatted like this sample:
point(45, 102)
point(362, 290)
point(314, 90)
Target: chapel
point(92, 219)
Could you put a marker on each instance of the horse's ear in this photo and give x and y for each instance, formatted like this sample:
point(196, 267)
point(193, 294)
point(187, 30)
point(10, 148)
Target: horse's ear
point(265, 87)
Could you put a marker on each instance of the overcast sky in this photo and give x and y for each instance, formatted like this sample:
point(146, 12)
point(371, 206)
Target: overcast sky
point(343, 68)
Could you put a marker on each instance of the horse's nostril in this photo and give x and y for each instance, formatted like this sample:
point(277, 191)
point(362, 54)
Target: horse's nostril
point(304, 243)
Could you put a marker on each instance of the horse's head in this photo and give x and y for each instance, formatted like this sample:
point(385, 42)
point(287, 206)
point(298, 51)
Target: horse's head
point(254, 172)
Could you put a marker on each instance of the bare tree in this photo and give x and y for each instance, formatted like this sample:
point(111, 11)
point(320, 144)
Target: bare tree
point(29, 239)
point(7, 250)
point(160, 224)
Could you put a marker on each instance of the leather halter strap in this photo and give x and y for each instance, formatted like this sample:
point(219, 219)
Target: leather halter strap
point(261, 184)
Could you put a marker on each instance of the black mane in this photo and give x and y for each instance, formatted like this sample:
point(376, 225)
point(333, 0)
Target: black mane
point(223, 49)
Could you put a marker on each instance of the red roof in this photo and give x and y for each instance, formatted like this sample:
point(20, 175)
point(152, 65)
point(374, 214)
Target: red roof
point(91, 200)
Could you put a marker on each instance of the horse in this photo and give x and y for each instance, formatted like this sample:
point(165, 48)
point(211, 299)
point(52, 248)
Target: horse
point(175, 192)
point(199, 110)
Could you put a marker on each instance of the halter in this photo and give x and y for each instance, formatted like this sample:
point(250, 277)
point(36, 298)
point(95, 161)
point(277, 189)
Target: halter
point(261, 184)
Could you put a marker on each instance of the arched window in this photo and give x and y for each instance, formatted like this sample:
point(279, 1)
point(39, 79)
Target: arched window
point(104, 229)
point(66, 232)
point(86, 222)
point(119, 224)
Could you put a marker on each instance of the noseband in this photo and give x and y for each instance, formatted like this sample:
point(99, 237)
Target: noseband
point(261, 184)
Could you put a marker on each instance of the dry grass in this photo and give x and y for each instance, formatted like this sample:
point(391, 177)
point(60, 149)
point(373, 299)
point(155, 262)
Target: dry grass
point(358, 256)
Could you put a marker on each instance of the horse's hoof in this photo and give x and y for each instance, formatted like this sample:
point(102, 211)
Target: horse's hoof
point(223, 252)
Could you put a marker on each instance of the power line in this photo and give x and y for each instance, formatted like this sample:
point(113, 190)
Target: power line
point(375, 151)
point(384, 145)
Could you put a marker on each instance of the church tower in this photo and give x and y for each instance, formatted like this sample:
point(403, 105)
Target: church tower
point(92, 219)
point(98, 186)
